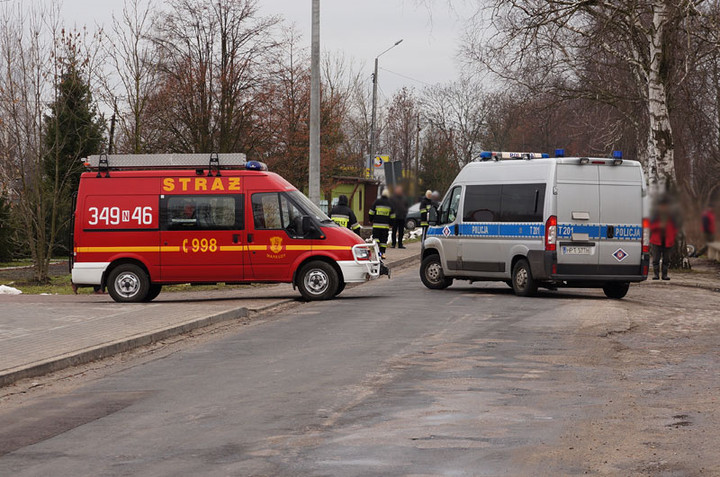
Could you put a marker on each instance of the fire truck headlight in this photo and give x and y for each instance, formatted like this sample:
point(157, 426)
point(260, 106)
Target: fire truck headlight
point(362, 253)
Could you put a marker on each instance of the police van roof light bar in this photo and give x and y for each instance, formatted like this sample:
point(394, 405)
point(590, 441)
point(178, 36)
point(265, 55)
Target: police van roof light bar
point(559, 152)
point(496, 156)
point(617, 158)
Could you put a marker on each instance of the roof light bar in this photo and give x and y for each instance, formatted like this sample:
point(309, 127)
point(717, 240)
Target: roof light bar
point(559, 152)
point(485, 155)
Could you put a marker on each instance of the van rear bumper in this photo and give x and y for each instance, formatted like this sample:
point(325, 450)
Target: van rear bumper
point(544, 266)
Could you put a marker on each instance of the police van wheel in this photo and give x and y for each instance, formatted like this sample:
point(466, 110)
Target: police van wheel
point(128, 283)
point(318, 281)
point(523, 282)
point(153, 292)
point(616, 290)
point(432, 275)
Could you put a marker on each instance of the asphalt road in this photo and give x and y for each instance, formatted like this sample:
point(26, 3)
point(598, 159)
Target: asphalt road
point(394, 379)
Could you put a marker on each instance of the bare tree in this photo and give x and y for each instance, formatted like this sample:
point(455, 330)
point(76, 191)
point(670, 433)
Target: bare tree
point(578, 49)
point(134, 76)
point(401, 128)
point(212, 60)
point(459, 110)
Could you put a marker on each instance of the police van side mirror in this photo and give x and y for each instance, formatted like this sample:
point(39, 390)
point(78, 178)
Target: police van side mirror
point(434, 216)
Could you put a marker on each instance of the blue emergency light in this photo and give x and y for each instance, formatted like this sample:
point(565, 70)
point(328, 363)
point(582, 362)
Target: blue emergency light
point(559, 152)
point(545, 155)
point(486, 155)
point(256, 166)
point(617, 155)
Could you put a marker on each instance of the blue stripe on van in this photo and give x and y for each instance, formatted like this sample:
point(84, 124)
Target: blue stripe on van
point(494, 229)
point(599, 231)
point(537, 230)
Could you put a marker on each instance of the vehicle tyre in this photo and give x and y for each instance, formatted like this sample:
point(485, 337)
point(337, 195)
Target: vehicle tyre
point(410, 224)
point(432, 275)
point(616, 290)
point(509, 283)
point(153, 292)
point(523, 283)
point(318, 280)
point(128, 283)
point(340, 288)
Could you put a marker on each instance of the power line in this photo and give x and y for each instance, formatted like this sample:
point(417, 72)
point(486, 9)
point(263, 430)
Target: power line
point(406, 77)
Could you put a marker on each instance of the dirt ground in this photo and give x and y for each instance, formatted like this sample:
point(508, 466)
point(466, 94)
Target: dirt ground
point(654, 390)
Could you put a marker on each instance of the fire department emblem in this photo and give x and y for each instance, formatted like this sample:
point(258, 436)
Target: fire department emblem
point(276, 244)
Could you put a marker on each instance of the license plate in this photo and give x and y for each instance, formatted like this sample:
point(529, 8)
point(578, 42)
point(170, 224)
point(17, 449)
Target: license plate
point(576, 250)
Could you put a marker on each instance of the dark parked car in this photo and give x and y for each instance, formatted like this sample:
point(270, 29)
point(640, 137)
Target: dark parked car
point(413, 217)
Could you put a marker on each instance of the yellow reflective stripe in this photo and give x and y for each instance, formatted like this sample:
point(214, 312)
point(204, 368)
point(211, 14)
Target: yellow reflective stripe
point(242, 248)
point(332, 247)
point(126, 249)
point(233, 248)
point(381, 226)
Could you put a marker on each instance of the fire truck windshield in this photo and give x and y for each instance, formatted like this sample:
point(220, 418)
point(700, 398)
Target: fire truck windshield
point(308, 207)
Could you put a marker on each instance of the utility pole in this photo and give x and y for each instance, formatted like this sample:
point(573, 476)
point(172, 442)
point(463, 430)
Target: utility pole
point(417, 158)
point(314, 169)
point(373, 124)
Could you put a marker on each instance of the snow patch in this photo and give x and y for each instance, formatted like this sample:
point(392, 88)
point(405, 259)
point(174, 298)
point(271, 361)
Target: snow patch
point(6, 290)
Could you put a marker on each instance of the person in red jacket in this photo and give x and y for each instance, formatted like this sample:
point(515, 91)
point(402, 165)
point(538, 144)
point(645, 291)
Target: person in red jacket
point(708, 226)
point(663, 231)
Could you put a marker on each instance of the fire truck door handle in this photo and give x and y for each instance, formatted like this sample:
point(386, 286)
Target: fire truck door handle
point(250, 238)
point(236, 238)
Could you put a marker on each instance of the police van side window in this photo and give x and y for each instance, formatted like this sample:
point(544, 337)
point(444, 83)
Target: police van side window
point(202, 212)
point(482, 203)
point(522, 203)
point(504, 203)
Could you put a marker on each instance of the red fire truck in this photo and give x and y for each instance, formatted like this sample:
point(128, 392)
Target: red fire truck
point(143, 221)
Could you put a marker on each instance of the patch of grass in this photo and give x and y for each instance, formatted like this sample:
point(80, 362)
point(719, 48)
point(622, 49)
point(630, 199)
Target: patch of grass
point(59, 285)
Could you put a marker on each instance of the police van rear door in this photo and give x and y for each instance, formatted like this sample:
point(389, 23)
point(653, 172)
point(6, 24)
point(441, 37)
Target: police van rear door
point(621, 214)
point(578, 217)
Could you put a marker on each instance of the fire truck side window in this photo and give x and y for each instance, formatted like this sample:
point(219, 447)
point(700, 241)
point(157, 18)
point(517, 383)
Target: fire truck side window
point(203, 212)
point(273, 211)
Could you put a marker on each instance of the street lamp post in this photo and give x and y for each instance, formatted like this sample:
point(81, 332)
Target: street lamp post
point(374, 110)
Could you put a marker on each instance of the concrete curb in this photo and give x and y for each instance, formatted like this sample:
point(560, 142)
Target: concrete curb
point(106, 350)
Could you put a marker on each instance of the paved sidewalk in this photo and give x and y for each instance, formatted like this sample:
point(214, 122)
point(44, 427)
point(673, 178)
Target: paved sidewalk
point(40, 334)
point(704, 274)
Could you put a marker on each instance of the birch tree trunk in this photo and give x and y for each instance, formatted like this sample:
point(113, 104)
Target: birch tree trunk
point(661, 163)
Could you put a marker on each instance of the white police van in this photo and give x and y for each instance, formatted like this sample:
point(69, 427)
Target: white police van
point(535, 221)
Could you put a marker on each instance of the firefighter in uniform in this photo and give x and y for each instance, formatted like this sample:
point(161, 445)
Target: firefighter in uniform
point(425, 205)
point(381, 215)
point(343, 215)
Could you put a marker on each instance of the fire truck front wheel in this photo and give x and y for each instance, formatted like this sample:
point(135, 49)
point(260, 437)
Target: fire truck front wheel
point(318, 280)
point(128, 283)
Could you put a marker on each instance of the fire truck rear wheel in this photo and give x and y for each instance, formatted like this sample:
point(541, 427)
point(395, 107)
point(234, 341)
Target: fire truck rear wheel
point(128, 283)
point(318, 280)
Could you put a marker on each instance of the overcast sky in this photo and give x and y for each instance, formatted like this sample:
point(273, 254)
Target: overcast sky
point(360, 29)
